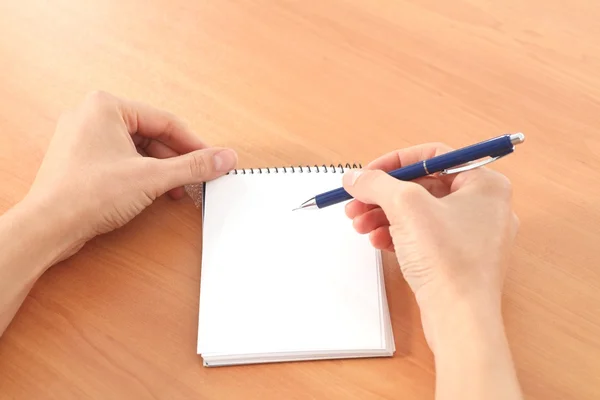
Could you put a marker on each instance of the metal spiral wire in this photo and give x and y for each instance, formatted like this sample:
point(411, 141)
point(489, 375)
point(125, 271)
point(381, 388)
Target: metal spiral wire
point(296, 169)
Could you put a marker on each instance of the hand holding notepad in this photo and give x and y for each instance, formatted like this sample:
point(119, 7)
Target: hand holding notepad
point(278, 285)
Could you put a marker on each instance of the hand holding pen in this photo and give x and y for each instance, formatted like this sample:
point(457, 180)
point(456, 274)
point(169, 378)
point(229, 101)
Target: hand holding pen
point(452, 162)
point(451, 235)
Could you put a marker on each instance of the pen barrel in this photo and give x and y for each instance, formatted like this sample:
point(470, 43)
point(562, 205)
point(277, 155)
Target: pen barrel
point(410, 172)
point(335, 196)
point(490, 148)
point(332, 197)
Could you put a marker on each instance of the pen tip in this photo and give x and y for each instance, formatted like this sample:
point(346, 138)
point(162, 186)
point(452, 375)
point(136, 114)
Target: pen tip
point(311, 203)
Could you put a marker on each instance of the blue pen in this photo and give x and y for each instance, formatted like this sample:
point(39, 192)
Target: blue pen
point(463, 159)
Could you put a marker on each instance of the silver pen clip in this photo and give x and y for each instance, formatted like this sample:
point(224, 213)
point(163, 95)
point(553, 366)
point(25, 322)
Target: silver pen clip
point(515, 139)
point(472, 165)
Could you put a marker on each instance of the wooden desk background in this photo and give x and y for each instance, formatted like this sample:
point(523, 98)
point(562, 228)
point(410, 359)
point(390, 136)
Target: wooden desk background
point(290, 82)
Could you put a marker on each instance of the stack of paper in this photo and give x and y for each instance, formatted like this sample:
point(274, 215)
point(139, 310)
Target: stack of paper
point(282, 285)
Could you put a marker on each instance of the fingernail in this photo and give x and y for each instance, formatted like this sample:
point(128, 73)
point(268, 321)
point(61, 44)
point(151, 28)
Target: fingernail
point(225, 160)
point(352, 175)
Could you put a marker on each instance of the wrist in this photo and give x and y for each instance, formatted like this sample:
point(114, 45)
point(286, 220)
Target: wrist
point(471, 352)
point(463, 323)
point(49, 227)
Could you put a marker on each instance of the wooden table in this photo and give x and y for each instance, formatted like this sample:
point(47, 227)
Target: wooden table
point(291, 82)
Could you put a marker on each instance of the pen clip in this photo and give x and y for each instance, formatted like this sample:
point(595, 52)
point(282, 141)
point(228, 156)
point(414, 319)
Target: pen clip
point(473, 165)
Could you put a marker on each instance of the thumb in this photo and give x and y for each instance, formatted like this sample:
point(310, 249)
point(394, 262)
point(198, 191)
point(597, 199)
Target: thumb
point(378, 187)
point(195, 167)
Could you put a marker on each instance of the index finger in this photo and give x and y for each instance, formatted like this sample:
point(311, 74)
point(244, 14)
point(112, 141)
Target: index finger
point(160, 125)
point(480, 179)
point(410, 155)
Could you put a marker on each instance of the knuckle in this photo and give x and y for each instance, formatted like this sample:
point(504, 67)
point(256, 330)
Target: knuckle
point(98, 97)
point(366, 179)
point(151, 173)
point(149, 165)
point(99, 103)
point(172, 118)
point(407, 194)
point(440, 147)
point(494, 183)
point(412, 190)
point(169, 128)
point(503, 185)
point(181, 122)
point(373, 175)
point(397, 199)
point(198, 167)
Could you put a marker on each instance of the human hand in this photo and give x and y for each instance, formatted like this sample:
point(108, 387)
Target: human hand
point(94, 179)
point(450, 234)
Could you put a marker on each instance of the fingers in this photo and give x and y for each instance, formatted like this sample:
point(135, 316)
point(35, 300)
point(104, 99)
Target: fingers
point(410, 155)
point(146, 121)
point(377, 187)
point(159, 150)
point(195, 167)
point(394, 197)
point(434, 185)
point(355, 208)
point(438, 186)
point(370, 221)
point(481, 180)
point(381, 239)
point(179, 156)
point(370, 187)
point(160, 125)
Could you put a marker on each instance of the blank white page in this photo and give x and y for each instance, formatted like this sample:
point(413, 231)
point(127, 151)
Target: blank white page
point(277, 280)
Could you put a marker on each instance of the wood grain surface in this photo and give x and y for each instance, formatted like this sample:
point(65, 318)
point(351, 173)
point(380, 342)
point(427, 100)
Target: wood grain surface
point(305, 82)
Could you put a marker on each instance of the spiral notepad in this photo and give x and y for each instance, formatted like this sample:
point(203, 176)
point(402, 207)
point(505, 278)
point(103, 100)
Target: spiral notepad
point(280, 285)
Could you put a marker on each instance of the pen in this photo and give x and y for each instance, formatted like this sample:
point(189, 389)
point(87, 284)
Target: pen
point(453, 162)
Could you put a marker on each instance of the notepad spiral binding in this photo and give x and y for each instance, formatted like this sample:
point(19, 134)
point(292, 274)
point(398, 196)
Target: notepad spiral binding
point(196, 191)
point(296, 169)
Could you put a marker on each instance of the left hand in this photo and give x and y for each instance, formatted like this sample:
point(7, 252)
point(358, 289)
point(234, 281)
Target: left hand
point(94, 178)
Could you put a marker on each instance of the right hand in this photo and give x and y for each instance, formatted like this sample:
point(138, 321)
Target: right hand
point(451, 234)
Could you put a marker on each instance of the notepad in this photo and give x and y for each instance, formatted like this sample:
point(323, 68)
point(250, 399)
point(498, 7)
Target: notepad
point(279, 285)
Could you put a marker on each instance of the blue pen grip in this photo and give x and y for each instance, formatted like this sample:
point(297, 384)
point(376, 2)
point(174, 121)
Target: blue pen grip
point(332, 197)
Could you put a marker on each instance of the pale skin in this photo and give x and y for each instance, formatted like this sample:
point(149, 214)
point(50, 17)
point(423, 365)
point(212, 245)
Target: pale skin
point(451, 235)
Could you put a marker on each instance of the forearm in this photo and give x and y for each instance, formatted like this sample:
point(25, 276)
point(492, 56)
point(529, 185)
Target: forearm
point(472, 356)
point(32, 238)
